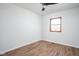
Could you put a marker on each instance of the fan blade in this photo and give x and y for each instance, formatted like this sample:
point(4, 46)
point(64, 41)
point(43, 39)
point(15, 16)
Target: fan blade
point(48, 3)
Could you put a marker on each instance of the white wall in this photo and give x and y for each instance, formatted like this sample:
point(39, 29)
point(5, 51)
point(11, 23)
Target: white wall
point(70, 27)
point(18, 26)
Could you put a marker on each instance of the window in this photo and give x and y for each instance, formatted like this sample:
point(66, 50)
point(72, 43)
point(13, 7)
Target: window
point(55, 24)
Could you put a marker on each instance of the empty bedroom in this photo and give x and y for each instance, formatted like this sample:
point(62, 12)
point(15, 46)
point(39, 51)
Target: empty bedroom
point(39, 29)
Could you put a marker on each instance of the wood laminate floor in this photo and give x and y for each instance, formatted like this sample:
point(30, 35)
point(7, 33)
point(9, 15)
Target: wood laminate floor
point(44, 48)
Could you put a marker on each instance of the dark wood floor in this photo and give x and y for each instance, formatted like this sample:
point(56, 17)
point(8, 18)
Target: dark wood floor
point(44, 48)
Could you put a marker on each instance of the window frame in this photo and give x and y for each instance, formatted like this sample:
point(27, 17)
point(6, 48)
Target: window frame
point(60, 24)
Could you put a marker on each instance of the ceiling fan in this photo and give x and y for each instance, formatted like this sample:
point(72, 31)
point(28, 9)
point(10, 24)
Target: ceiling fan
point(46, 4)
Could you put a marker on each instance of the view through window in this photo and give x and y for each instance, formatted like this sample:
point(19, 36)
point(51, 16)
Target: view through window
point(55, 24)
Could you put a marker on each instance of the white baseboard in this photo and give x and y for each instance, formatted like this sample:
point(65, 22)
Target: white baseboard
point(3, 52)
point(62, 43)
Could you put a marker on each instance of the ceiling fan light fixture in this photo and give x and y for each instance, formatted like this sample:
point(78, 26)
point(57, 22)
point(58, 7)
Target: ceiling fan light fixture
point(43, 9)
point(46, 4)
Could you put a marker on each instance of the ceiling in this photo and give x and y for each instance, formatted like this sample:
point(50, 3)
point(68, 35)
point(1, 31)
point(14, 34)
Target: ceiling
point(36, 7)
